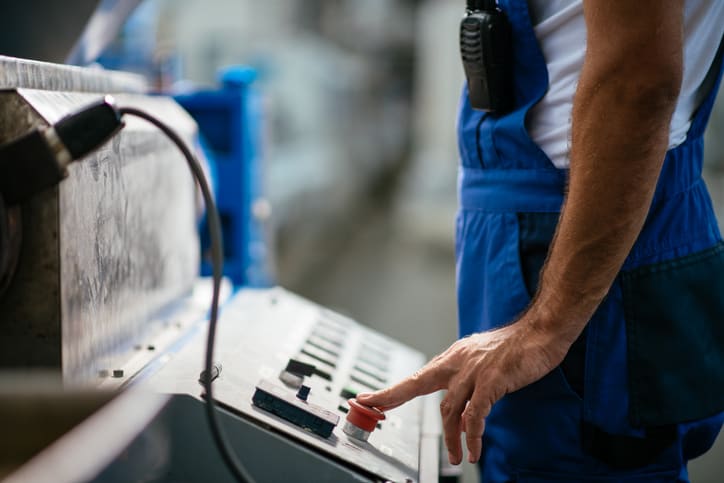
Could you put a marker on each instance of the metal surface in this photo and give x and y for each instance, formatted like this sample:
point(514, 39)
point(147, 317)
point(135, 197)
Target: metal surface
point(127, 233)
point(83, 431)
point(269, 456)
point(141, 437)
point(10, 237)
point(21, 73)
point(259, 331)
point(176, 446)
point(355, 432)
point(109, 249)
point(35, 411)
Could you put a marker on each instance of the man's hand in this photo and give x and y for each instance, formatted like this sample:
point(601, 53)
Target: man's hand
point(477, 371)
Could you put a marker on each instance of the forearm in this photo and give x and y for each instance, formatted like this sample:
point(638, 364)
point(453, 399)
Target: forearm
point(620, 126)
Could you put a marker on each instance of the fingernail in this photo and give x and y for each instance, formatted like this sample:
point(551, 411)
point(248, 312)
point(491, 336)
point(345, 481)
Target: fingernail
point(472, 459)
point(364, 395)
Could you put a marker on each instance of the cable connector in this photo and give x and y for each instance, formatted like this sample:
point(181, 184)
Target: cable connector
point(39, 159)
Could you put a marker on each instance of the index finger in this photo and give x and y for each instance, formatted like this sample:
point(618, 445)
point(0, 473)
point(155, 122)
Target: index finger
point(426, 380)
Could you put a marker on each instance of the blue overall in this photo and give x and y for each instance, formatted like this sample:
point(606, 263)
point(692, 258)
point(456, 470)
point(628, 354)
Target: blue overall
point(644, 388)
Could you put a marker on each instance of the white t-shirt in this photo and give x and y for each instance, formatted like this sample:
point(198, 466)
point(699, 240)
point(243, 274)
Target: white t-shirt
point(560, 29)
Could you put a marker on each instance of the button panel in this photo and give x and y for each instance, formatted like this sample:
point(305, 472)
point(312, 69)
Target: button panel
point(276, 354)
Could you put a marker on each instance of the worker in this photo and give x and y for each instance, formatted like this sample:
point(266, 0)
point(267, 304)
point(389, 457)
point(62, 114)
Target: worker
point(590, 267)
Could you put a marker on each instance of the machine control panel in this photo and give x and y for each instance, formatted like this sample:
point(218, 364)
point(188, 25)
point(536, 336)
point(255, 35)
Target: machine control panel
point(294, 367)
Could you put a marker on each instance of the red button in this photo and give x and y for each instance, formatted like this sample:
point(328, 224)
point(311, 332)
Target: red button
point(364, 417)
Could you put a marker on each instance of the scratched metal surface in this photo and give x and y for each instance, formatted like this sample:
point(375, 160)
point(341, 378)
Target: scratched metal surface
point(22, 73)
point(29, 309)
point(105, 253)
point(128, 244)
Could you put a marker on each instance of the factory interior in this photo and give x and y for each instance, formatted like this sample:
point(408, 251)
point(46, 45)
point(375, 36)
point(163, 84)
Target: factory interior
point(326, 132)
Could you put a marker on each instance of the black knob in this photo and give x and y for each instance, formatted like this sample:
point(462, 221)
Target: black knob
point(303, 393)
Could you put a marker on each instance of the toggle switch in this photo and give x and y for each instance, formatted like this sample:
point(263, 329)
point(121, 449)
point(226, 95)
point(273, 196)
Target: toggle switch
point(303, 393)
point(295, 372)
point(348, 393)
point(299, 368)
point(361, 420)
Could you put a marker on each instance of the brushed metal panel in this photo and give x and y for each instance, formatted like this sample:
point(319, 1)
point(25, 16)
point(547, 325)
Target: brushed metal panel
point(22, 73)
point(108, 250)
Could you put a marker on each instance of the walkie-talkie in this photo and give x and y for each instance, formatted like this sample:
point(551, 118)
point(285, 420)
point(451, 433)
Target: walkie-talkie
point(485, 48)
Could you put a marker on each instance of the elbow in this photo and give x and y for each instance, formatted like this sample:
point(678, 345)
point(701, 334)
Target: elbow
point(655, 95)
point(649, 86)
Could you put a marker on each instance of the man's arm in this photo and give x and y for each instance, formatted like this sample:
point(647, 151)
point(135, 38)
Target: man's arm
point(626, 94)
point(621, 113)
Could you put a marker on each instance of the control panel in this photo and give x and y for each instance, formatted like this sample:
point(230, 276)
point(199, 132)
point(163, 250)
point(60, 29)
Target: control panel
point(293, 368)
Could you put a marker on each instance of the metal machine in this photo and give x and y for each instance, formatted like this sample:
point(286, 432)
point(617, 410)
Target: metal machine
point(166, 438)
point(100, 256)
point(100, 291)
point(264, 336)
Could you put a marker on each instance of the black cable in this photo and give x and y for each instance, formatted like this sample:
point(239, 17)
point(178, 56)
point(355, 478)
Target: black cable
point(217, 260)
point(38, 159)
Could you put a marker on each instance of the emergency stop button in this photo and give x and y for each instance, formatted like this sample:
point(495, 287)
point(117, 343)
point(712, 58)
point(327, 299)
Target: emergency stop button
point(361, 420)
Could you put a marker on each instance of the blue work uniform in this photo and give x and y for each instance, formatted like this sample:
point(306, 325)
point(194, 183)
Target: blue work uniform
point(641, 392)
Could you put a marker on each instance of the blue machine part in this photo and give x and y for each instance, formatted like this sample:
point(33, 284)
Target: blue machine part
point(230, 120)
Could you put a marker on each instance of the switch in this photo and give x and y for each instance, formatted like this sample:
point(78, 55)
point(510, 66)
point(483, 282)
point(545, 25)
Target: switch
point(324, 346)
point(282, 403)
point(367, 370)
point(323, 374)
point(295, 372)
point(361, 380)
point(318, 355)
point(303, 393)
point(348, 393)
point(326, 336)
point(320, 369)
point(299, 368)
point(290, 379)
point(361, 420)
point(373, 359)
